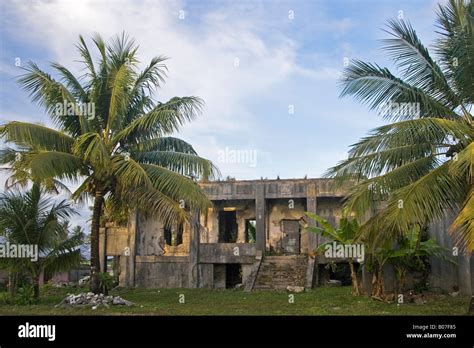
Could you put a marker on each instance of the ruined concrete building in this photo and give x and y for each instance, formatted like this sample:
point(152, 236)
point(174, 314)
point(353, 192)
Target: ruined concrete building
point(248, 220)
point(252, 237)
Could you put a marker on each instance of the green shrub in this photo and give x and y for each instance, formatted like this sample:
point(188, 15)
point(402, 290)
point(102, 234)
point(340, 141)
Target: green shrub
point(25, 296)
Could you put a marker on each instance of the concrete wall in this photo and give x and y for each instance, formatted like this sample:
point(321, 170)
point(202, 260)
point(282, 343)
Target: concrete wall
point(161, 272)
point(152, 263)
point(448, 276)
point(227, 253)
point(151, 239)
point(330, 209)
point(284, 209)
point(245, 210)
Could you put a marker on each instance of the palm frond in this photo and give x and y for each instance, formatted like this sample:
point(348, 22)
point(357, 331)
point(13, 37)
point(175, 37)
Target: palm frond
point(164, 119)
point(36, 136)
point(49, 93)
point(178, 187)
point(416, 64)
point(378, 87)
point(183, 163)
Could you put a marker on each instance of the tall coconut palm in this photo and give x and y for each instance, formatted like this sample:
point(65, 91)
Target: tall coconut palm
point(422, 163)
point(31, 218)
point(112, 136)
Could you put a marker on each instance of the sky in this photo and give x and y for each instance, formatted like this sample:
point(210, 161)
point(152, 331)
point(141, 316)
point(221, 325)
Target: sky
point(268, 71)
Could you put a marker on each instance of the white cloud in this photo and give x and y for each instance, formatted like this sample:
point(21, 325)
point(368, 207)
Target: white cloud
point(202, 56)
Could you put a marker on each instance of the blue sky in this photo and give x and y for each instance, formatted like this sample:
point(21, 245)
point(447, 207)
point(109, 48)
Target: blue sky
point(289, 54)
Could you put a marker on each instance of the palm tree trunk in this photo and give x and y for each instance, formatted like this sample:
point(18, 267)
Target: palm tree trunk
point(12, 283)
point(378, 288)
point(402, 280)
point(36, 287)
point(95, 247)
point(355, 281)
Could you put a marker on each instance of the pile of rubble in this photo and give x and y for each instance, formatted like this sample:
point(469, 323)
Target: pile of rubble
point(94, 300)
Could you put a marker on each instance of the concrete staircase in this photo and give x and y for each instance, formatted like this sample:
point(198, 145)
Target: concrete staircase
point(278, 272)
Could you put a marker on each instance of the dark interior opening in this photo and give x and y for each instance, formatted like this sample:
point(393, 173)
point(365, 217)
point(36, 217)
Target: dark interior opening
point(338, 271)
point(179, 234)
point(233, 275)
point(227, 227)
point(173, 236)
point(168, 232)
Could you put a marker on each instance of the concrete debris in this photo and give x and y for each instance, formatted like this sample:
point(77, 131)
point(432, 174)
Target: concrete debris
point(84, 280)
point(94, 300)
point(295, 289)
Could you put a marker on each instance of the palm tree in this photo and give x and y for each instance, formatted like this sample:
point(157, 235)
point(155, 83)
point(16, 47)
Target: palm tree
point(112, 136)
point(413, 169)
point(32, 219)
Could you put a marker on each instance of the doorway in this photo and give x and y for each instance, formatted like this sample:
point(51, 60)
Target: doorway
point(291, 236)
point(227, 226)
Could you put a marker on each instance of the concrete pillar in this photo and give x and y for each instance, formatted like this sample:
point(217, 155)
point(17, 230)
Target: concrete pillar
point(312, 272)
point(127, 257)
point(260, 211)
point(311, 207)
point(194, 236)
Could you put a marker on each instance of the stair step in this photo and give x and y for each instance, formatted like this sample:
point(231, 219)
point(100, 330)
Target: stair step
point(279, 272)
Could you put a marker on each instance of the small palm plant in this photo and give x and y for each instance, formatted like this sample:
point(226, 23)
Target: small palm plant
point(113, 137)
point(32, 218)
point(346, 234)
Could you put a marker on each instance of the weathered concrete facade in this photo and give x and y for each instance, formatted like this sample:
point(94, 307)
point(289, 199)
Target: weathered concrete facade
point(247, 220)
point(251, 237)
point(447, 276)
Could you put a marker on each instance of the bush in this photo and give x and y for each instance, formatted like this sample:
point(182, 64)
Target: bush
point(25, 296)
point(106, 282)
point(5, 298)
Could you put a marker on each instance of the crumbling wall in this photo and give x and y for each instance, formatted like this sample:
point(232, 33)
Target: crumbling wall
point(330, 209)
point(278, 210)
point(151, 239)
point(161, 272)
point(448, 276)
point(245, 210)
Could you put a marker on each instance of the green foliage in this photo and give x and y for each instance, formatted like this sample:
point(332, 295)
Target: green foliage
point(25, 296)
point(33, 218)
point(346, 233)
point(420, 164)
point(122, 148)
point(333, 301)
point(252, 232)
point(410, 248)
point(126, 149)
point(106, 281)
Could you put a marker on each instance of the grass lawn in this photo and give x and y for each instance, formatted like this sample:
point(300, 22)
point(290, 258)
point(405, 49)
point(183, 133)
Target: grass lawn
point(321, 301)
